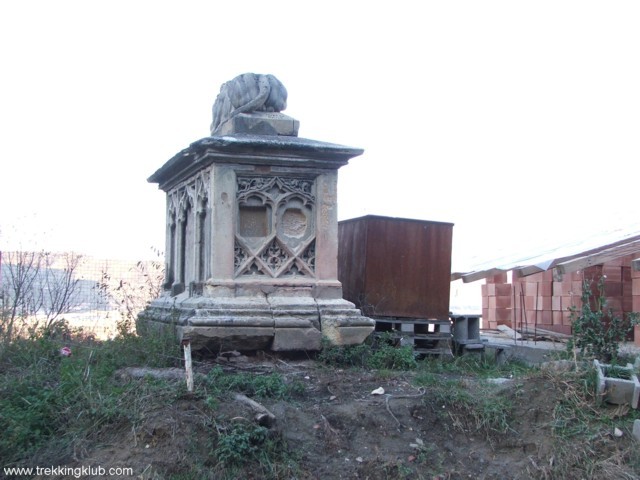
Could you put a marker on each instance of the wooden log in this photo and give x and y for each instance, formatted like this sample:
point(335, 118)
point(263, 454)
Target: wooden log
point(158, 373)
point(263, 416)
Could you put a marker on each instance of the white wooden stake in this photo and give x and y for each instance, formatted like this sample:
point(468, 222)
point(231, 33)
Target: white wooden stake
point(186, 344)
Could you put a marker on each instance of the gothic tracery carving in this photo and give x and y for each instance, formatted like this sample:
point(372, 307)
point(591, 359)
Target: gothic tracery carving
point(287, 246)
point(274, 187)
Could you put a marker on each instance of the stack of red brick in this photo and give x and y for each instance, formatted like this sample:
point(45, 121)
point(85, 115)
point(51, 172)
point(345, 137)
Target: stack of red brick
point(541, 301)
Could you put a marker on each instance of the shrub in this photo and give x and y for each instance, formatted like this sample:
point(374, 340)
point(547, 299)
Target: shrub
point(596, 330)
point(242, 442)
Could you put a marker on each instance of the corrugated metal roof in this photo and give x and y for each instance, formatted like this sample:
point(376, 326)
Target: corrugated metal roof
point(563, 256)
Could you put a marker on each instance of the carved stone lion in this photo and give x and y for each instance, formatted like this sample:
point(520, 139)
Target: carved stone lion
point(246, 93)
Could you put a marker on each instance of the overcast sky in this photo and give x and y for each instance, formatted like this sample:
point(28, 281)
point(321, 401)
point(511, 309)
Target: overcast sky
point(516, 121)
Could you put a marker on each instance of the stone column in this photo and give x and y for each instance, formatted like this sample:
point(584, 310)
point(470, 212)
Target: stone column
point(327, 236)
point(178, 281)
point(169, 267)
point(222, 224)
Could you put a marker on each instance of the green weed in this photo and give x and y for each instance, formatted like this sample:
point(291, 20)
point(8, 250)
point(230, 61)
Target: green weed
point(480, 410)
point(47, 399)
point(582, 432)
point(242, 446)
point(483, 367)
point(344, 355)
point(271, 385)
point(378, 353)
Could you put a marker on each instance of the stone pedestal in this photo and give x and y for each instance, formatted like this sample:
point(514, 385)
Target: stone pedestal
point(251, 245)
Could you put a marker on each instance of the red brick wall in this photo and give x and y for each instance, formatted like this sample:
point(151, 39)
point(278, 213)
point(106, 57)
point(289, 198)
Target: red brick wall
point(540, 300)
point(635, 300)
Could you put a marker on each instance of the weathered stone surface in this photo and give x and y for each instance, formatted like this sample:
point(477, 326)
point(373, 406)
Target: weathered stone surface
point(246, 93)
point(260, 123)
point(251, 231)
point(337, 335)
point(297, 339)
point(343, 324)
point(221, 338)
point(248, 323)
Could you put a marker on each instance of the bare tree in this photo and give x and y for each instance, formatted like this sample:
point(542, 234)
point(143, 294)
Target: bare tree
point(20, 274)
point(32, 286)
point(59, 286)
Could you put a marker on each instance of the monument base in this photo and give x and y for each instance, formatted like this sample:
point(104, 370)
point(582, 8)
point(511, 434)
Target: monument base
point(275, 323)
point(260, 123)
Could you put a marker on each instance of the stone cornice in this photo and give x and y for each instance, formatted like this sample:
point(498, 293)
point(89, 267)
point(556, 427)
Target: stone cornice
point(280, 151)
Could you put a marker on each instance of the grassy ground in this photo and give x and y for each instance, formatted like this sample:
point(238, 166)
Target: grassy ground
point(437, 418)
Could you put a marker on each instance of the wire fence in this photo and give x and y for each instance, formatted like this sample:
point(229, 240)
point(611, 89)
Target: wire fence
point(104, 290)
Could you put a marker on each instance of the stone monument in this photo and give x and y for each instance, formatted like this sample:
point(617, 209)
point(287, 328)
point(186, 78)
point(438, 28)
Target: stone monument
point(252, 232)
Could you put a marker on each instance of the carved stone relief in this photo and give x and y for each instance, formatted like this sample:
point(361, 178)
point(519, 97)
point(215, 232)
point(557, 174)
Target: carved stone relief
point(187, 231)
point(276, 228)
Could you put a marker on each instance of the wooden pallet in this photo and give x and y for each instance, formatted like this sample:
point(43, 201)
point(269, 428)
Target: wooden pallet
point(428, 336)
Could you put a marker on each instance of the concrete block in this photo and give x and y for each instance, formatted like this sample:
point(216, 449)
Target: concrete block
point(617, 391)
point(636, 429)
point(466, 328)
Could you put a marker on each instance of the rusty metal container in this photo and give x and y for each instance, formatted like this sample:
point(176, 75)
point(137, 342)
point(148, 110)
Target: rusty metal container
point(396, 267)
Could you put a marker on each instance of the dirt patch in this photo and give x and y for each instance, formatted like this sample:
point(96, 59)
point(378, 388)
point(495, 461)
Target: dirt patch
point(337, 429)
